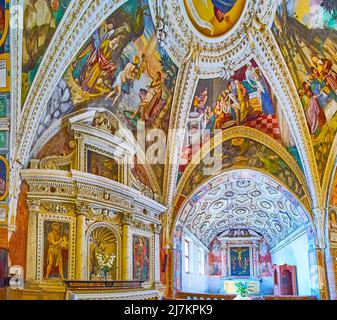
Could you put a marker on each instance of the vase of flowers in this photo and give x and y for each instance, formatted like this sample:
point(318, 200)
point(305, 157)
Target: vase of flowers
point(105, 262)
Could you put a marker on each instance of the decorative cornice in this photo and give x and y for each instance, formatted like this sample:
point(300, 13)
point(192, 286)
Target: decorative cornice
point(87, 188)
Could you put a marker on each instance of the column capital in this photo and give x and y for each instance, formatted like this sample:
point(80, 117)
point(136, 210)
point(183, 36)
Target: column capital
point(82, 209)
point(127, 218)
point(156, 228)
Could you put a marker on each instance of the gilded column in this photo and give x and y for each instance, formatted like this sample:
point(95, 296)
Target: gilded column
point(127, 221)
point(81, 247)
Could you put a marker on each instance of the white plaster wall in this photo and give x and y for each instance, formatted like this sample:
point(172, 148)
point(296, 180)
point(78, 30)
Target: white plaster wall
point(194, 281)
point(296, 253)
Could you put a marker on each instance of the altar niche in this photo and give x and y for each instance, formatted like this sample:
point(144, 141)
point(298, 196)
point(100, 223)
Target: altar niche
point(103, 253)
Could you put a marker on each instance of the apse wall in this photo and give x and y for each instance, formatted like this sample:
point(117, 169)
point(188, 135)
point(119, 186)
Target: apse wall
point(295, 253)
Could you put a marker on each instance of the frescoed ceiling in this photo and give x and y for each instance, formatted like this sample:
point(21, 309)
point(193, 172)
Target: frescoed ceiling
point(179, 64)
point(306, 32)
point(242, 200)
point(40, 21)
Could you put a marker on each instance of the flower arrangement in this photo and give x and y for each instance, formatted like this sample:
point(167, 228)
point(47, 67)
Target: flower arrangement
point(105, 262)
point(242, 288)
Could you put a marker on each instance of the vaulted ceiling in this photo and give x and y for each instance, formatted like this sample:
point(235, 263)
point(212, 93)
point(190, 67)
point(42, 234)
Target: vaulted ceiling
point(242, 200)
point(191, 46)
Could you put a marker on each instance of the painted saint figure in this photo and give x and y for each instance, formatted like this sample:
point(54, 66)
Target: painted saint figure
point(140, 259)
point(56, 243)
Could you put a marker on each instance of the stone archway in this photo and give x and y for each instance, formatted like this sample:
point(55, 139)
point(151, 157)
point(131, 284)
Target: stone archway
point(251, 201)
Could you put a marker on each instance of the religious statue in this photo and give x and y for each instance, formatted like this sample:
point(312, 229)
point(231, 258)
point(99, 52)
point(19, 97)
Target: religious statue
point(56, 243)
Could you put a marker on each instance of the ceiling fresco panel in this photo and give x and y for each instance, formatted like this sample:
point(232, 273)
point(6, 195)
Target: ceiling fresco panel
point(40, 21)
point(306, 32)
point(245, 99)
point(123, 68)
point(244, 152)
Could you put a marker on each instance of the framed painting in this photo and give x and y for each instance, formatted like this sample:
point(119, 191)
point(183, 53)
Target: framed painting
point(4, 176)
point(4, 20)
point(240, 261)
point(56, 250)
point(3, 214)
point(141, 258)
point(4, 72)
point(103, 165)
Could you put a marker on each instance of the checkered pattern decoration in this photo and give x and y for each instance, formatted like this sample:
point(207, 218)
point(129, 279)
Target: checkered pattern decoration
point(267, 124)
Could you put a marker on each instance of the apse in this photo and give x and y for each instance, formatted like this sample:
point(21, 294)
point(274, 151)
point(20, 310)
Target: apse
point(242, 226)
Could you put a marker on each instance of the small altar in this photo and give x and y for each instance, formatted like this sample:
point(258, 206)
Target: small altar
point(228, 286)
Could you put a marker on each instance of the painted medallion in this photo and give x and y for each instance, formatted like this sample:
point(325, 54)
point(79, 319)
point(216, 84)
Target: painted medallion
point(214, 18)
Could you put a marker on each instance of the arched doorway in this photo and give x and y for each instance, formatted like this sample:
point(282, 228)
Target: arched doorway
point(236, 228)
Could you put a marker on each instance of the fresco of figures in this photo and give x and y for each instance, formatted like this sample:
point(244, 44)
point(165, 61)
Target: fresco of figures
point(307, 35)
point(245, 99)
point(123, 68)
point(243, 152)
point(265, 261)
point(215, 258)
point(41, 18)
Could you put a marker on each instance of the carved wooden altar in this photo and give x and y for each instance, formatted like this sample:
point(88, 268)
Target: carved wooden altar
point(79, 214)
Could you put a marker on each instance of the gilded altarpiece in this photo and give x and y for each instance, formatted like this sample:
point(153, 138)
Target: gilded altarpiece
point(86, 222)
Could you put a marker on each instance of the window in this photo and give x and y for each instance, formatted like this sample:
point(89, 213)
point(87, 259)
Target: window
point(187, 256)
point(201, 261)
